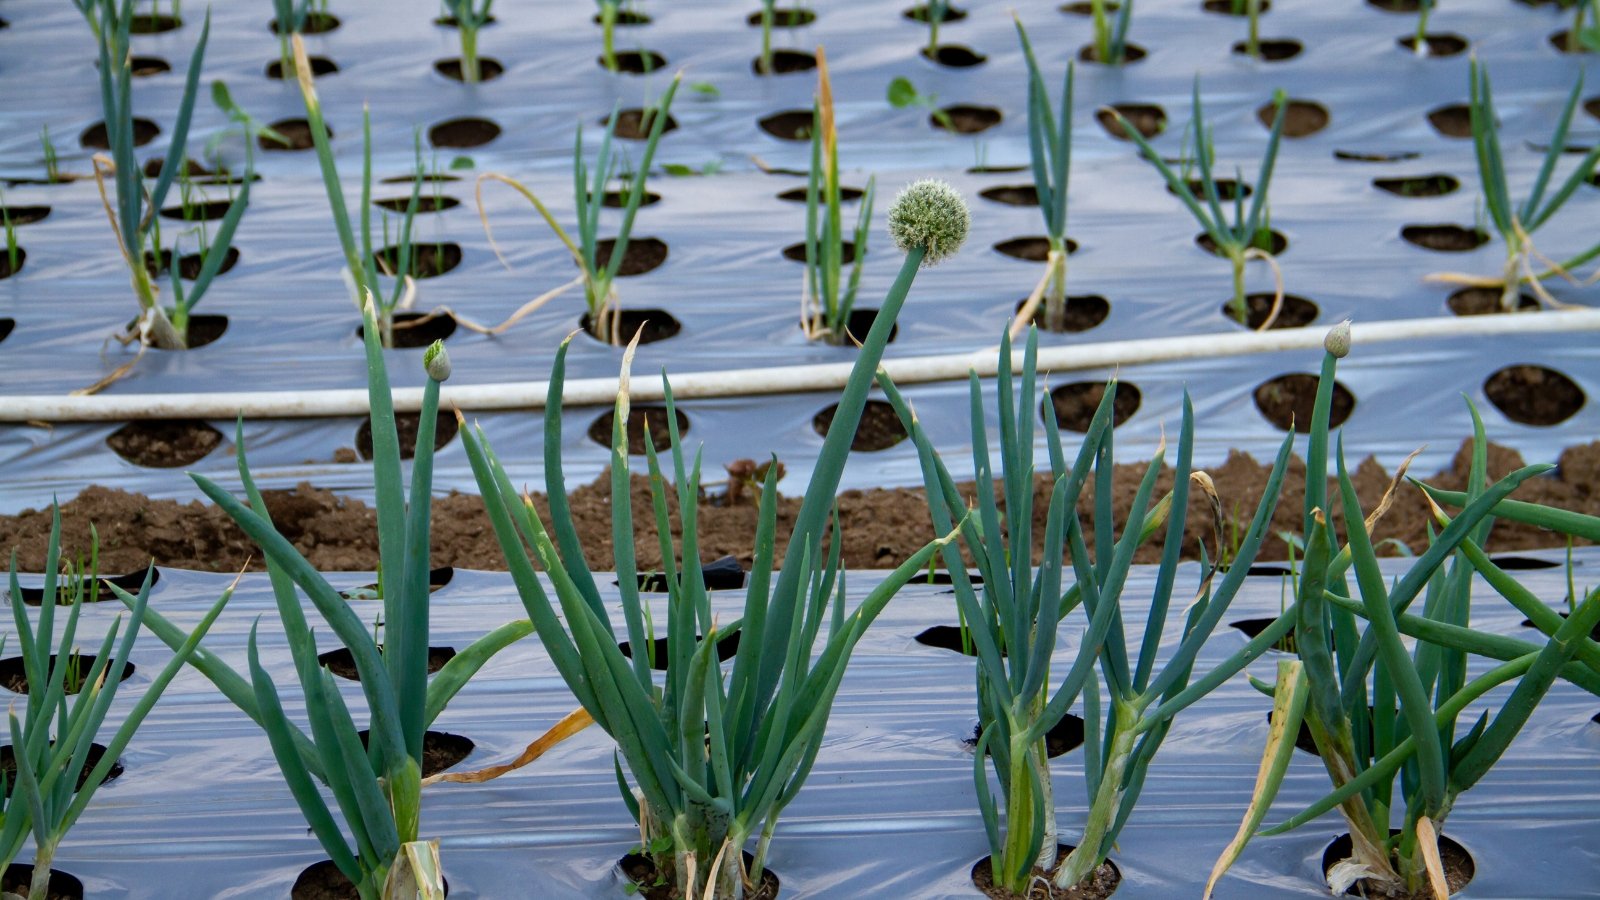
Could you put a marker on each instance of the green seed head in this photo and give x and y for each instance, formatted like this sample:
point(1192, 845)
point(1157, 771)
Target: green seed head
point(436, 360)
point(932, 215)
point(1337, 342)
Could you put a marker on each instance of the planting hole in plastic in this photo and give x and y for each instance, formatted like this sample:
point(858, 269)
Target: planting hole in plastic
point(919, 13)
point(879, 428)
point(1131, 53)
point(956, 56)
point(1012, 194)
point(1100, 884)
point(425, 203)
point(427, 260)
point(6, 268)
point(1295, 311)
point(1253, 628)
point(626, 18)
point(1031, 249)
point(1289, 399)
point(164, 443)
point(489, 68)
point(1534, 395)
point(1439, 46)
point(8, 765)
point(644, 254)
point(618, 199)
point(1523, 564)
point(636, 62)
point(1301, 118)
point(315, 23)
point(726, 648)
point(154, 23)
point(1279, 243)
point(634, 124)
point(948, 637)
point(965, 118)
point(1477, 301)
point(130, 581)
point(856, 328)
point(1146, 118)
point(1444, 238)
point(6, 327)
point(406, 424)
point(296, 131)
point(320, 66)
point(1228, 189)
point(203, 211)
point(1230, 8)
point(1374, 157)
point(1397, 6)
point(1453, 120)
point(1272, 49)
point(189, 264)
point(723, 574)
point(1458, 865)
point(25, 215)
point(1594, 633)
point(14, 675)
point(440, 750)
point(650, 325)
point(786, 62)
point(343, 664)
point(95, 138)
point(324, 881)
point(797, 252)
point(783, 17)
point(1063, 737)
point(63, 886)
point(789, 125)
point(639, 870)
point(1074, 404)
point(438, 578)
point(463, 134)
point(1435, 185)
point(1083, 312)
point(655, 416)
point(847, 194)
point(417, 329)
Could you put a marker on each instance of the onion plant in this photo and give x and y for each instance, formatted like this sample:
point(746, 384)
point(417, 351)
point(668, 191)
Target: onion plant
point(289, 18)
point(609, 11)
point(769, 15)
point(1419, 40)
point(52, 165)
point(377, 789)
point(934, 13)
point(67, 708)
point(714, 756)
point(1377, 710)
point(132, 209)
point(1251, 10)
point(1248, 235)
point(1110, 37)
point(1584, 35)
point(829, 296)
point(470, 16)
point(1050, 145)
point(589, 186)
point(1516, 222)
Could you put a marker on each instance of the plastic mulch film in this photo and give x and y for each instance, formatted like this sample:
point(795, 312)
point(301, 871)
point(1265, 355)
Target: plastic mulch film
point(725, 283)
point(889, 809)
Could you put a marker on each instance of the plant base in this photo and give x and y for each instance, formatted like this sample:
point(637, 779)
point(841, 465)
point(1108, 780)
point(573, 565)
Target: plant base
point(1103, 883)
point(18, 876)
point(324, 881)
point(1458, 869)
point(640, 870)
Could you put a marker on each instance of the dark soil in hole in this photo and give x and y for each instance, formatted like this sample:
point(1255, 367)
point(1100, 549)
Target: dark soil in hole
point(786, 62)
point(320, 66)
point(640, 416)
point(427, 260)
point(1146, 118)
point(204, 211)
point(1085, 8)
point(858, 324)
point(626, 18)
point(990, 170)
point(426, 178)
point(789, 125)
point(1083, 312)
point(1279, 244)
point(426, 203)
point(966, 118)
point(152, 23)
point(1458, 866)
point(723, 574)
point(146, 66)
point(1100, 884)
point(24, 215)
point(1012, 194)
point(1062, 738)
point(1031, 249)
point(1523, 563)
point(438, 577)
point(1301, 118)
point(1594, 633)
point(196, 173)
point(341, 663)
point(1397, 6)
point(188, 264)
point(1358, 156)
point(14, 676)
point(1228, 189)
point(1295, 312)
point(1477, 301)
point(463, 134)
point(1074, 404)
point(650, 324)
point(131, 581)
point(1445, 238)
point(955, 56)
point(453, 22)
point(1289, 399)
point(440, 750)
point(946, 637)
point(1131, 53)
point(7, 269)
point(324, 881)
point(1435, 185)
point(429, 328)
point(640, 870)
point(406, 425)
point(847, 194)
point(1438, 45)
point(1534, 395)
point(1454, 120)
point(784, 17)
point(618, 199)
point(6, 327)
point(19, 876)
point(797, 252)
point(1564, 43)
point(164, 443)
point(1225, 7)
point(637, 62)
point(315, 23)
point(452, 68)
point(879, 428)
point(1253, 628)
point(97, 752)
point(919, 13)
point(95, 137)
point(726, 648)
point(1271, 49)
point(632, 125)
point(296, 131)
point(643, 255)
point(1592, 106)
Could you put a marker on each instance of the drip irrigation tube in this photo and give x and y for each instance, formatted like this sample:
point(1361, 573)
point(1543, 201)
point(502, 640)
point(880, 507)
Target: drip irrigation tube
point(766, 380)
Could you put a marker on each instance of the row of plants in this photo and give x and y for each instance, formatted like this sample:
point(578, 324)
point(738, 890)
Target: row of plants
point(709, 755)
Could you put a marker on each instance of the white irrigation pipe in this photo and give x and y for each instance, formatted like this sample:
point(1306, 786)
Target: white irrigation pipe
point(768, 380)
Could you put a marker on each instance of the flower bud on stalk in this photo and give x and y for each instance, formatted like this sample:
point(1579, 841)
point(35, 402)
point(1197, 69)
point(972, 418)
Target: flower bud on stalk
point(436, 359)
point(932, 215)
point(1337, 343)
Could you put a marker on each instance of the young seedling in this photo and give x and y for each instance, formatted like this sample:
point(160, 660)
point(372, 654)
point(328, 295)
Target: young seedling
point(609, 10)
point(52, 167)
point(829, 298)
point(1419, 40)
point(769, 10)
point(290, 18)
point(716, 756)
point(1050, 144)
point(66, 710)
point(597, 277)
point(1584, 35)
point(934, 13)
point(1516, 223)
point(378, 788)
point(1249, 234)
point(133, 213)
point(1251, 9)
point(903, 94)
point(1110, 38)
point(13, 252)
point(470, 16)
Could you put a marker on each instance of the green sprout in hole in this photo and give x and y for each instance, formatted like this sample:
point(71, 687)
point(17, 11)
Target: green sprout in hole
point(133, 212)
point(1419, 40)
point(609, 10)
point(934, 13)
point(1050, 145)
point(769, 10)
point(290, 17)
point(470, 17)
point(1584, 35)
point(598, 277)
point(13, 252)
point(1251, 10)
point(903, 94)
point(829, 296)
point(1375, 708)
point(1516, 223)
point(377, 788)
point(67, 708)
point(710, 760)
point(1110, 38)
point(52, 167)
point(1249, 233)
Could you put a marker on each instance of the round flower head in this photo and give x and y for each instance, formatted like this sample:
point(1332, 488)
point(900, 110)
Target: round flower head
point(436, 360)
point(1338, 340)
point(932, 215)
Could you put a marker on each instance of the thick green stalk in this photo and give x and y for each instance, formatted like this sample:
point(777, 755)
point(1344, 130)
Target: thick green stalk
point(1087, 856)
point(470, 71)
point(1237, 306)
point(1055, 295)
point(39, 887)
point(608, 26)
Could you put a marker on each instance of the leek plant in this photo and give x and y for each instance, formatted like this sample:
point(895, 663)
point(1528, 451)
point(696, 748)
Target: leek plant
point(1377, 710)
point(377, 789)
point(1249, 234)
point(1516, 223)
point(829, 297)
point(609, 10)
point(1110, 37)
point(1050, 145)
point(66, 710)
point(132, 211)
point(470, 16)
point(714, 756)
point(598, 278)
